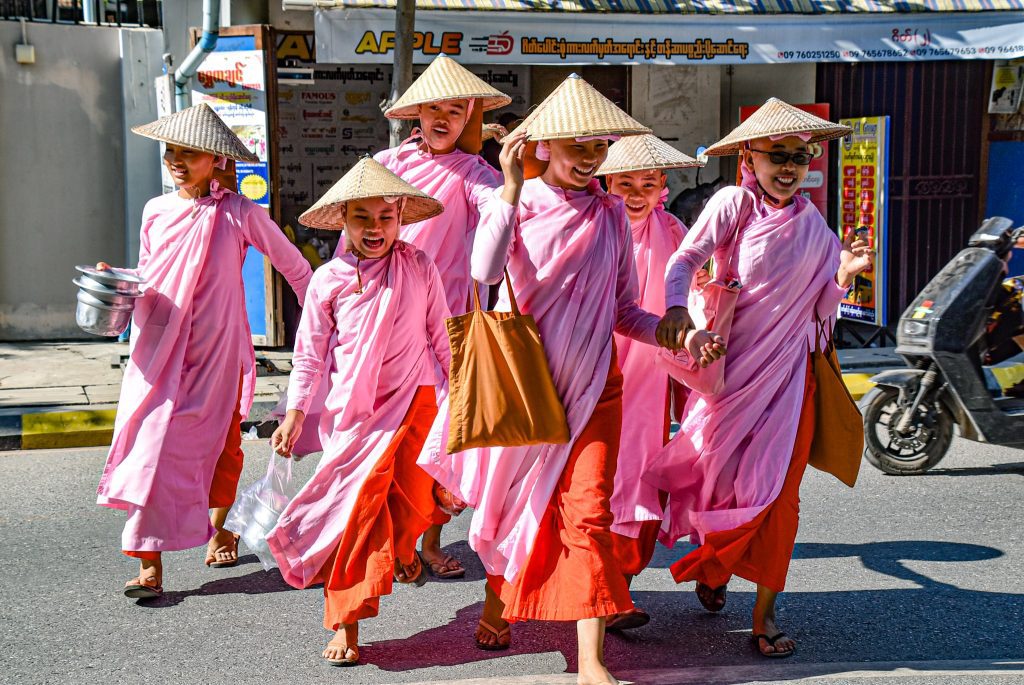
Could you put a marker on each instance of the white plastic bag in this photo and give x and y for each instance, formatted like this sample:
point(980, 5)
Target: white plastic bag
point(258, 507)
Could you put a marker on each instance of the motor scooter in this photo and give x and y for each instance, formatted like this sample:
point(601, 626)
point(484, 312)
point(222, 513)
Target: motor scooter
point(911, 413)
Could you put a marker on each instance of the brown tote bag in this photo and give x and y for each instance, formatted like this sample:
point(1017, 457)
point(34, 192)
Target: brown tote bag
point(838, 442)
point(500, 389)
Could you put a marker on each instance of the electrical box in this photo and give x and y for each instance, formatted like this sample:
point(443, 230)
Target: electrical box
point(25, 54)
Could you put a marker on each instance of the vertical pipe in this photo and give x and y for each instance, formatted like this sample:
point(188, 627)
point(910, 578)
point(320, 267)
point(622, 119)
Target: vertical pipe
point(206, 44)
point(405, 20)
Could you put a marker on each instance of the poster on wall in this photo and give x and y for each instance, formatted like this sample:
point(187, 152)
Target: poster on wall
point(863, 207)
point(1007, 86)
point(233, 83)
point(815, 185)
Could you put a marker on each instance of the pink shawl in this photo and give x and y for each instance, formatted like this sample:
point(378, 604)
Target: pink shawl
point(190, 343)
point(381, 345)
point(729, 460)
point(645, 387)
point(570, 262)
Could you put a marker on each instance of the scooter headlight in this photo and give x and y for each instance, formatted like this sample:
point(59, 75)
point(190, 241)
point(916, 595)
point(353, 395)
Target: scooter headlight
point(915, 329)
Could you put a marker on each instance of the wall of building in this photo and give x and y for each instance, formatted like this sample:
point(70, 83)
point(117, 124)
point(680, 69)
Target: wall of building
point(62, 178)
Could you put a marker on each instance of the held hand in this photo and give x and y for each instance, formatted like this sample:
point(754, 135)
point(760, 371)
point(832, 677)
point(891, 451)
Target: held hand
point(705, 346)
point(496, 131)
point(284, 438)
point(857, 256)
point(702, 278)
point(673, 327)
point(103, 266)
point(511, 157)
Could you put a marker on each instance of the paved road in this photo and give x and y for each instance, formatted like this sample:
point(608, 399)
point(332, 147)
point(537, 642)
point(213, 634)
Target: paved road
point(903, 581)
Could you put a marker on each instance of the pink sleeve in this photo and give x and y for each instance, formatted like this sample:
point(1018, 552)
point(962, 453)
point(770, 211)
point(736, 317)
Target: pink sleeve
point(630, 320)
point(437, 313)
point(312, 341)
point(262, 233)
point(495, 236)
point(832, 293)
point(713, 227)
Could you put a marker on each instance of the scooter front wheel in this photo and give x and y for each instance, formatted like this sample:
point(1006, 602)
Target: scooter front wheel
point(907, 453)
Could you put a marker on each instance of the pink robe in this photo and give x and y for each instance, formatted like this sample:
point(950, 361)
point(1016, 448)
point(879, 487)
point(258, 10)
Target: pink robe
point(190, 343)
point(467, 187)
point(381, 345)
point(570, 259)
point(644, 387)
point(729, 460)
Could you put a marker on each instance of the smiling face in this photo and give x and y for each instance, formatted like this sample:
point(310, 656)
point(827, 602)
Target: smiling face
point(371, 226)
point(781, 181)
point(640, 190)
point(189, 168)
point(573, 164)
point(442, 123)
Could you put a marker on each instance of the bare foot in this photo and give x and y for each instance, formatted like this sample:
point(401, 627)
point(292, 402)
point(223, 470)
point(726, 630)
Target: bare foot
point(409, 573)
point(441, 565)
point(500, 637)
point(343, 649)
point(771, 641)
point(595, 673)
point(222, 550)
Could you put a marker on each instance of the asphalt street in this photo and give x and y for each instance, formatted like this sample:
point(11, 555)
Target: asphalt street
point(899, 581)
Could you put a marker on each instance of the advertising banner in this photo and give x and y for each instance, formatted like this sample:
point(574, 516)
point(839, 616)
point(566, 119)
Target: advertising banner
point(815, 185)
point(367, 36)
point(863, 175)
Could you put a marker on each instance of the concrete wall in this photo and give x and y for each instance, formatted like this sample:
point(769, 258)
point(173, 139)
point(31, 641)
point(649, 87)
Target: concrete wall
point(62, 178)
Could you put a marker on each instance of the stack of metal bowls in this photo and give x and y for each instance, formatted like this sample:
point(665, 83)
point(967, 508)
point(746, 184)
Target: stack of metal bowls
point(106, 300)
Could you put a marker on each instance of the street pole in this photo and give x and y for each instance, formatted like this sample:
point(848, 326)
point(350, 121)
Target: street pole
point(405, 20)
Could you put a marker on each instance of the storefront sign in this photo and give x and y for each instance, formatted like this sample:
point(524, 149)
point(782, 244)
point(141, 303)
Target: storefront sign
point(1007, 85)
point(815, 185)
point(234, 85)
point(367, 36)
point(863, 174)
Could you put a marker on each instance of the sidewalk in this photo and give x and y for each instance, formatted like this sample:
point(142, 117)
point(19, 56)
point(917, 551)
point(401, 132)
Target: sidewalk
point(65, 394)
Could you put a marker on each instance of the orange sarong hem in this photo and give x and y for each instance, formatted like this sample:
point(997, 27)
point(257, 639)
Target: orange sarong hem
point(761, 549)
point(572, 573)
point(395, 507)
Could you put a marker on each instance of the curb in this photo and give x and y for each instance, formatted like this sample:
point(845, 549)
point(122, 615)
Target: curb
point(32, 430)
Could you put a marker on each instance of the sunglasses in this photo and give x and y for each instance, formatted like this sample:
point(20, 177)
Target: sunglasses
point(778, 157)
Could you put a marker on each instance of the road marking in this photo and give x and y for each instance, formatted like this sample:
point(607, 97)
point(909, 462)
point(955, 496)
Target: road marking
point(779, 672)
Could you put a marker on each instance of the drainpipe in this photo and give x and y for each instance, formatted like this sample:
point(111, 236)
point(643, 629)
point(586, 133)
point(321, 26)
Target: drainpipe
point(206, 44)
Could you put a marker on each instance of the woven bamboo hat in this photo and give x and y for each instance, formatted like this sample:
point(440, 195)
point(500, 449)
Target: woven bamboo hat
point(575, 110)
point(445, 79)
point(198, 128)
point(639, 153)
point(776, 118)
point(369, 178)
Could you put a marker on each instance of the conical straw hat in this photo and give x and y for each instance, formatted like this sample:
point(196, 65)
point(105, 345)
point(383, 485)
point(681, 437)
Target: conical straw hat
point(198, 128)
point(445, 79)
point(639, 153)
point(369, 178)
point(576, 110)
point(776, 118)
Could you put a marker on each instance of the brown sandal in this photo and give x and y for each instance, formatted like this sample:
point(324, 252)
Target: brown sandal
point(713, 599)
point(211, 555)
point(137, 588)
point(498, 635)
point(421, 578)
point(345, 660)
point(627, 620)
point(440, 569)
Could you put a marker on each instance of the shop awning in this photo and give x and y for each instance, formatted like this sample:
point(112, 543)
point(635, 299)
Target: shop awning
point(694, 7)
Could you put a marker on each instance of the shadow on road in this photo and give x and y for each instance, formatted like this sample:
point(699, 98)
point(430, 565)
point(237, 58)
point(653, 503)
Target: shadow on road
point(890, 625)
point(255, 583)
point(1015, 468)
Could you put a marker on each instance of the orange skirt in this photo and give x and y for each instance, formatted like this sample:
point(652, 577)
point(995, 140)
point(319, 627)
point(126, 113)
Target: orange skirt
point(226, 474)
point(395, 506)
point(761, 549)
point(572, 573)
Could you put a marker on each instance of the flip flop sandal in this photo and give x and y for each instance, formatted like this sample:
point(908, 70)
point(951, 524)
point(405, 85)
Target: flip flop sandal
point(439, 569)
point(498, 634)
point(211, 557)
point(771, 643)
point(716, 601)
point(627, 620)
point(136, 588)
point(344, 661)
point(420, 580)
